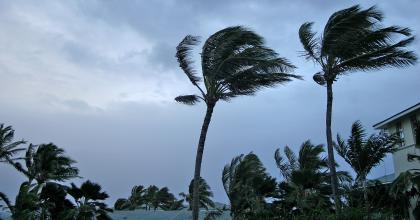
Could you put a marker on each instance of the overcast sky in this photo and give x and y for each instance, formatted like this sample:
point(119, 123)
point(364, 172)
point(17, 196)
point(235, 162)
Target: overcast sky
point(98, 79)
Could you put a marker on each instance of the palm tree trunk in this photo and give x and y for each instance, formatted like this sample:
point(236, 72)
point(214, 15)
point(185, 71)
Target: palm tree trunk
point(365, 196)
point(331, 161)
point(199, 158)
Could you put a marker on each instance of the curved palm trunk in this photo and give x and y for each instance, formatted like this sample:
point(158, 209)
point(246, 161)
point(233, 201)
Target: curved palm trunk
point(199, 158)
point(331, 161)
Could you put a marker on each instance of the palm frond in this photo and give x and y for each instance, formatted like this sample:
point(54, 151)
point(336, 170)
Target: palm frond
point(183, 54)
point(188, 99)
point(309, 41)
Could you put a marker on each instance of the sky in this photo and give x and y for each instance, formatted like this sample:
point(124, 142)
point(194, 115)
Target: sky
point(98, 78)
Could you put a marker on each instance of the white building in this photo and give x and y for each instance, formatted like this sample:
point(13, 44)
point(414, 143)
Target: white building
point(403, 124)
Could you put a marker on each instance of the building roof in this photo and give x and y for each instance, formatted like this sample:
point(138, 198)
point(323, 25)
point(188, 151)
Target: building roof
point(383, 123)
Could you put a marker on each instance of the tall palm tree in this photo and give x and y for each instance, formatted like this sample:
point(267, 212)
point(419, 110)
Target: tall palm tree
point(8, 147)
point(363, 153)
point(234, 62)
point(205, 194)
point(47, 162)
point(353, 40)
point(88, 200)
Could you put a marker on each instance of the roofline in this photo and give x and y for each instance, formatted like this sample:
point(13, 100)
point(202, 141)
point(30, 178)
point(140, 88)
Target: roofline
point(381, 124)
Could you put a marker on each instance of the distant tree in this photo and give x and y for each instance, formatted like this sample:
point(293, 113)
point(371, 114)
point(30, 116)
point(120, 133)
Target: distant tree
point(353, 40)
point(234, 63)
point(363, 153)
point(248, 185)
point(136, 199)
point(205, 194)
point(88, 199)
point(8, 147)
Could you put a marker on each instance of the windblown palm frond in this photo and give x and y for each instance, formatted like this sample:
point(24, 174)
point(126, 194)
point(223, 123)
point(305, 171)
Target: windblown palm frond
point(234, 62)
point(8, 147)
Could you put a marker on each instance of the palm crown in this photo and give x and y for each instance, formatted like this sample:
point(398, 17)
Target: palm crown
point(354, 40)
point(363, 153)
point(47, 162)
point(234, 62)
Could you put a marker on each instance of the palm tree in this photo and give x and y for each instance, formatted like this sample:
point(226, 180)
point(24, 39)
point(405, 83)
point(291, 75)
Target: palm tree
point(135, 200)
point(47, 163)
point(8, 147)
point(305, 184)
point(88, 200)
point(234, 62)
point(364, 153)
point(248, 185)
point(353, 40)
point(205, 194)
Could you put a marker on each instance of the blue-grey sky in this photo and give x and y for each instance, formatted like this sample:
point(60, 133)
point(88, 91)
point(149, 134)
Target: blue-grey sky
point(98, 79)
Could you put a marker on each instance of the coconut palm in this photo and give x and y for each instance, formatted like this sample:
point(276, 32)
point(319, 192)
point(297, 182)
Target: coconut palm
point(47, 162)
point(88, 199)
point(248, 185)
point(353, 40)
point(8, 147)
point(234, 62)
point(363, 153)
point(205, 194)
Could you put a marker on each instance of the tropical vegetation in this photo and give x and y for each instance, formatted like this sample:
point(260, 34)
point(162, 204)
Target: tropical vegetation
point(235, 61)
point(43, 195)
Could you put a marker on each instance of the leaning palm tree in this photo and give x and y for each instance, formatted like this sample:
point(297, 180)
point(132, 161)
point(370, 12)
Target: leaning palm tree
point(364, 153)
point(8, 147)
point(234, 62)
point(353, 40)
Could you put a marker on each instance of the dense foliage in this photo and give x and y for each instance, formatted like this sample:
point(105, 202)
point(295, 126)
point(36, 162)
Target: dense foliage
point(43, 195)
